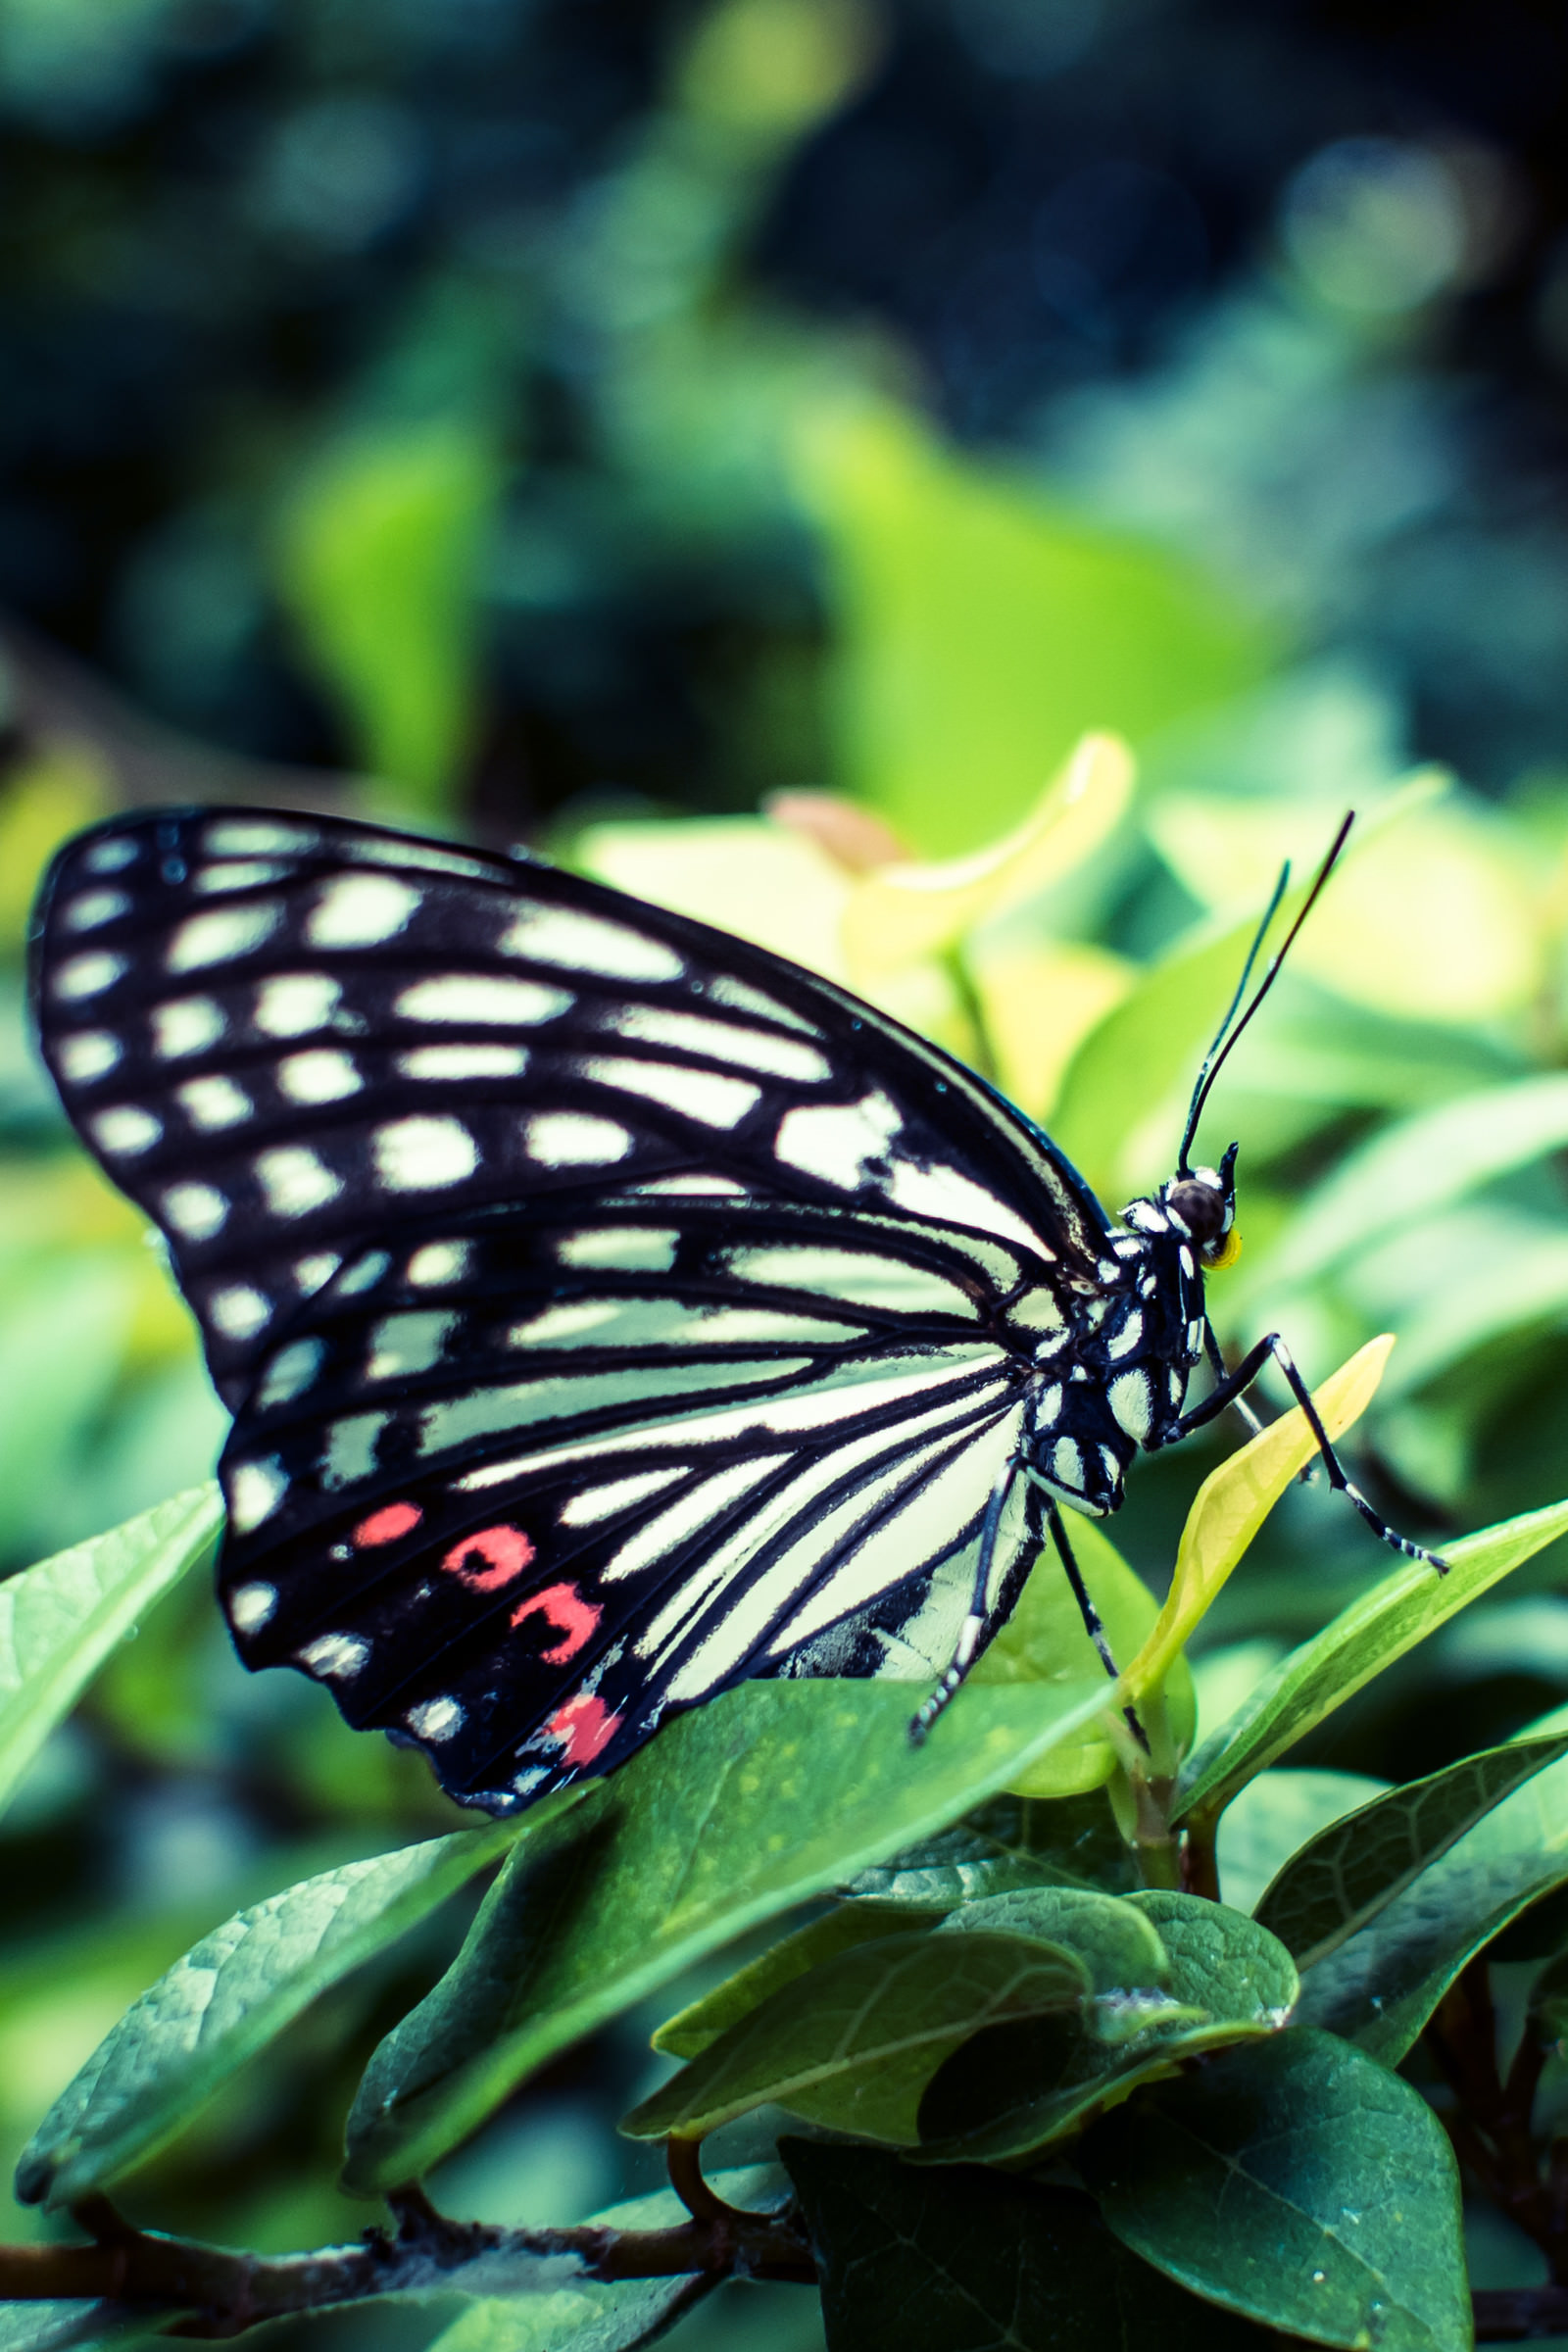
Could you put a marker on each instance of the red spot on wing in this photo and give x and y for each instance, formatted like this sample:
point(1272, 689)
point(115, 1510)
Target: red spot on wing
point(504, 1550)
point(584, 1727)
point(565, 1607)
point(385, 1526)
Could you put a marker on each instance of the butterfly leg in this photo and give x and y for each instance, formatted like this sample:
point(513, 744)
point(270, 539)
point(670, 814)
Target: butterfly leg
point(1093, 1625)
point(1217, 1365)
point(981, 1621)
point(1226, 1392)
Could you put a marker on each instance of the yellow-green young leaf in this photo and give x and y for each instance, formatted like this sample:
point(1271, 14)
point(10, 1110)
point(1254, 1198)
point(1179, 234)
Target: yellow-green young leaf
point(60, 1620)
point(378, 560)
point(853, 2043)
point(984, 631)
point(1235, 1499)
point(1311, 1682)
point(901, 913)
point(1044, 1641)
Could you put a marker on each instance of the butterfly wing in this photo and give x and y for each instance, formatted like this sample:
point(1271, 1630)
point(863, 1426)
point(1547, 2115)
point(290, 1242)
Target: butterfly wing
point(313, 1051)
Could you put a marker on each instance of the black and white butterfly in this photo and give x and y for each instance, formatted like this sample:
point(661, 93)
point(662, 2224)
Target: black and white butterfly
point(609, 1310)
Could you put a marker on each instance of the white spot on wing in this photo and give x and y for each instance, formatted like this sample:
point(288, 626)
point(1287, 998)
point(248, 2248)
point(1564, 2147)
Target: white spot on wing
point(129, 1128)
point(110, 856)
point(439, 1261)
point(243, 874)
point(564, 1323)
point(574, 1139)
point(256, 837)
point(249, 1607)
point(196, 1210)
point(472, 997)
point(185, 1025)
point(941, 1192)
point(95, 907)
point(836, 1140)
point(636, 1248)
point(90, 1053)
point(310, 1273)
point(586, 943)
point(595, 1503)
point(87, 975)
point(239, 1311)
point(337, 1656)
point(365, 1274)
point(361, 911)
point(720, 1041)
point(727, 989)
point(295, 1180)
point(434, 1719)
point(214, 1101)
point(683, 1519)
point(222, 934)
point(320, 1075)
point(674, 1187)
point(409, 1343)
point(293, 1003)
point(254, 1490)
point(463, 1062)
point(415, 1155)
point(705, 1095)
point(291, 1372)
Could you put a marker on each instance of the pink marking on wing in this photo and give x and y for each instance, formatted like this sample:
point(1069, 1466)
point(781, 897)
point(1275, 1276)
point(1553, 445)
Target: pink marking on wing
point(507, 1549)
point(565, 1607)
point(584, 1727)
point(386, 1525)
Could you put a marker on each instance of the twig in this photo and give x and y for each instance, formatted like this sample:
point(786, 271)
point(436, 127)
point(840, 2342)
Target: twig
point(230, 2292)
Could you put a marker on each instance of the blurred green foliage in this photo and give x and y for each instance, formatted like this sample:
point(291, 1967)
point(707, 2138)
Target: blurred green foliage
point(590, 411)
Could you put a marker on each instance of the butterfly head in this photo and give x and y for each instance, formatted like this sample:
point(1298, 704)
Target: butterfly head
point(1202, 1201)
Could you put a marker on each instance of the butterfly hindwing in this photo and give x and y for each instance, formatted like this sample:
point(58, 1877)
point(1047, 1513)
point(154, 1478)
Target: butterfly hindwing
point(501, 1199)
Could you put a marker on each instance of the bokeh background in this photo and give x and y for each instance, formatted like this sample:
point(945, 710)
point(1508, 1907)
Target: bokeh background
point(742, 446)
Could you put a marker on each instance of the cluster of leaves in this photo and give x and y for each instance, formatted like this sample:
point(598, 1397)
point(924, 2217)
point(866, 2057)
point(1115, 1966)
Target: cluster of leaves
point(1000, 1970)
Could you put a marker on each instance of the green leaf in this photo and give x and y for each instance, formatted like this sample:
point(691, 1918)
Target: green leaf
point(60, 1620)
point(1016, 2088)
point(1354, 1870)
point(594, 2316)
point(1420, 1165)
point(1380, 1985)
point(1274, 1817)
point(689, 2033)
point(1117, 1943)
point(227, 1998)
point(62, 1333)
point(958, 2260)
point(1374, 1631)
point(983, 632)
point(1136, 1065)
point(1012, 1842)
point(853, 2044)
point(77, 2326)
point(379, 560)
point(1044, 1640)
point(1300, 2183)
point(738, 1811)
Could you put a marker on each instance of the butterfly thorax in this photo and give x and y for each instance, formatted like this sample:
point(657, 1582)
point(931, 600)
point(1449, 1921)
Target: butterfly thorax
point(1114, 1379)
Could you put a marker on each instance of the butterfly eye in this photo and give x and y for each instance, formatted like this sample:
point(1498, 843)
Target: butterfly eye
point(1229, 1251)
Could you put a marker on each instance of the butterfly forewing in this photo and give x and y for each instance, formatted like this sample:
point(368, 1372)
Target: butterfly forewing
point(610, 1309)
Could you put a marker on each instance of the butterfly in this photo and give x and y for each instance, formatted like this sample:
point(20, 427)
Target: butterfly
point(609, 1310)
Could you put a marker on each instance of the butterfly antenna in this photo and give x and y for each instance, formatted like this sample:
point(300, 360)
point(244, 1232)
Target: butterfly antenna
point(1226, 1035)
